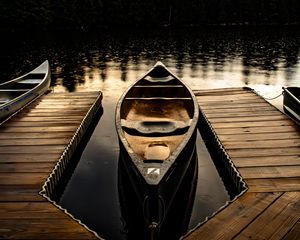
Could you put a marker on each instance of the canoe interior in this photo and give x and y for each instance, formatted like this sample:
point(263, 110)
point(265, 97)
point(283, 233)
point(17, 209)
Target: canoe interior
point(6, 96)
point(295, 91)
point(28, 82)
point(18, 92)
point(155, 115)
point(13, 89)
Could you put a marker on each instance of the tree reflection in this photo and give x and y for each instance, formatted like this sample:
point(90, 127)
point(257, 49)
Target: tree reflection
point(197, 55)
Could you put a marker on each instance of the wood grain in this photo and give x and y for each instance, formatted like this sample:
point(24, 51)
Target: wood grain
point(264, 146)
point(276, 221)
point(31, 143)
point(234, 218)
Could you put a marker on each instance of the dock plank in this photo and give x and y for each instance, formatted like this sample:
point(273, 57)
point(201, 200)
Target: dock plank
point(235, 217)
point(276, 221)
point(264, 152)
point(235, 98)
point(42, 229)
point(273, 143)
point(32, 149)
point(69, 107)
point(20, 193)
point(57, 112)
point(244, 104)
point(261, 129)
point(247, 119)
point(31, 143)
point(244, 110)
point(266, 161)
point(49, 118)
point(246, 113)
point(270, 172)
point(263, 145)
point(31, 167)
point(54, 123)
point(35, 135)
point(29, 210)
point(32, 179)
point(273, 184)
point(294, 233)
point(34, 141)
point(217, 91)
point(29, 157)
point(39, 129)
point(275, 123)
point(258, 136)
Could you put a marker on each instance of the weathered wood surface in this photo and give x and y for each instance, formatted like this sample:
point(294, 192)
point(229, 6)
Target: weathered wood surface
point(264, 146)
point(255, 216)
point(31, 143)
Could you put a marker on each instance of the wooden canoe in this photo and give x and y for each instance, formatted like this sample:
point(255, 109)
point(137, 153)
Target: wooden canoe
point(156, 121)
point(18, 92)
point(291, 102)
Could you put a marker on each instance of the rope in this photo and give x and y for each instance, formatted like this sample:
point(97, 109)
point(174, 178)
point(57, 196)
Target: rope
point(274, 97)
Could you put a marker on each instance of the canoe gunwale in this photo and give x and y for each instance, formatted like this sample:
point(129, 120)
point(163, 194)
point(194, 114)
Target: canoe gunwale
point(28, 95)
point(167, 164)
point(287, 90)
point(290, 101)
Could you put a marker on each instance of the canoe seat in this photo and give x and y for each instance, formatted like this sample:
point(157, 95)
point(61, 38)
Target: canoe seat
point(156, 152)
point(169, 80)
point(158, 98)
point(155, 128)
point(14, 90)
point(159, 79)
point(30, 81)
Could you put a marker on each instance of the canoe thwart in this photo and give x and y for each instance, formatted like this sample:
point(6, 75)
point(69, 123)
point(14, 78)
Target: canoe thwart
point(161, 128)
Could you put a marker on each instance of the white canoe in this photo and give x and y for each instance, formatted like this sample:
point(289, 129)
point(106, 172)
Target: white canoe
point(18, 92)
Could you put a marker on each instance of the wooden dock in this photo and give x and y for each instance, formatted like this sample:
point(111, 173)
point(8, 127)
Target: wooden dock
point(257, 141)
point(35, 146)
point(262, 146)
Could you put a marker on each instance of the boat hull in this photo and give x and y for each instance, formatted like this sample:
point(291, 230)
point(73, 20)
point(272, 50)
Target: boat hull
point(15, 94)
point(156, 122)
point(291, 102)
point(156, 200)
point(153, 210)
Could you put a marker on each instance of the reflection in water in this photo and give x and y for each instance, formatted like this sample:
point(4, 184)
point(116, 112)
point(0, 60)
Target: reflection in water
point(175, 222)
point(264, 60)
point(68, 172)
point(246, 57)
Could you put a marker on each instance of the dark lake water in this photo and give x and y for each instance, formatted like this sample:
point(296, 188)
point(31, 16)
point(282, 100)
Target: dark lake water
point(262, 59)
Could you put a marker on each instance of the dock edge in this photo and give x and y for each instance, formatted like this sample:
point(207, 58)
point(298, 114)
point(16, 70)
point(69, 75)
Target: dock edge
point(65, 158)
